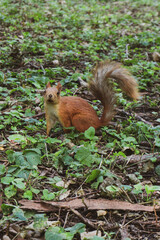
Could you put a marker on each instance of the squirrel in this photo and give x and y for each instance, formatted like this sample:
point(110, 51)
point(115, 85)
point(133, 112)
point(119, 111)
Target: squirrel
point(75, 111)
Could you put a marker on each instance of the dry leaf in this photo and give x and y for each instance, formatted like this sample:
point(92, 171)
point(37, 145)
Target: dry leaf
point(64, 195)
point(101, 213)
point(88, 235)
point(156, 56)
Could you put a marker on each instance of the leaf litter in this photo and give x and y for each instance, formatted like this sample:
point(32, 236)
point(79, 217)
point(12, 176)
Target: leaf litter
point(124, 157)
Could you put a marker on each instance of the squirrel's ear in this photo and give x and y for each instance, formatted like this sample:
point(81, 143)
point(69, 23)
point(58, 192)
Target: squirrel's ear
point(48, 85)
point(59, 87)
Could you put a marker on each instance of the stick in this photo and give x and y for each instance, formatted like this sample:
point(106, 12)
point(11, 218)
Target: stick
point(85, 220)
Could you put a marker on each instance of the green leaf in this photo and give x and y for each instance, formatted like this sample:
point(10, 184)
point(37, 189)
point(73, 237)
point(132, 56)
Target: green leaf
point(33, 156)
point(29, 158)
point(34, 190)
point(40, 221)
point(56, 233)
point(95, 185)
point(90, 133)
point(77, 228)
point(152, 188)
point(53, 140)
point(18, 214)
point(20, 159)
point(137, 189)
point(47, 195)
point(158, 170)
point(112, 188)
point(2, 126)
point(17, 138)
point(18, 182)
point(93, 175)
point(7, 180)
point(153, 159)
point(7, 209)
point(157, 142)
point(28, 194)
point(10, 191)
point(31, 139)
point(84, 156)
point(10, 155)
point(2, 169)
point(22, 172)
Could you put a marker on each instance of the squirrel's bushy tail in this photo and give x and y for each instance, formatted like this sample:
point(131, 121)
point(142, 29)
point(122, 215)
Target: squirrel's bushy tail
point(101, 87)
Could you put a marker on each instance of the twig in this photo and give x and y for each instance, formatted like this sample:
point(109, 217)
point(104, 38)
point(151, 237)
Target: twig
point(126, 195)
point(46, 151)
point(66, 218)
point(44, 72)
point(155, 213)
point(127, 53)
point(83, 83)
point(136, 116)
point(85, 220)
point(35, 116)
point(101, 162)
point(143, 120)
point(133, 220)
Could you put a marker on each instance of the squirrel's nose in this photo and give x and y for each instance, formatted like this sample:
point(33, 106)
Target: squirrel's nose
point(50, 95)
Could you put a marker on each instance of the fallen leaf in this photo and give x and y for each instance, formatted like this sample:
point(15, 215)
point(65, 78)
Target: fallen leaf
point(64, 195)
point(101, 213)
point(88, 235)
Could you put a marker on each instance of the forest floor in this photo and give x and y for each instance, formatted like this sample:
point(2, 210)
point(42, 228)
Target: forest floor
point(103, 185)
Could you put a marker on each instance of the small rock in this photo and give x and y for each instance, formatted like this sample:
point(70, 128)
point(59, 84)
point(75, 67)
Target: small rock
point(16, 227)
point(38, 110)
point(101, 213)
point(11, 230)
point(89, 235)
point(37, 100)
point(29, 233)
point(37, 234)
point(5, 237)
point(156, 56)
point(132, 177)
point(56, 62)
point(148, 166)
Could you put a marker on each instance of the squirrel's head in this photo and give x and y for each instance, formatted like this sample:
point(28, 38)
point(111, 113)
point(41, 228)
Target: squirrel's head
point(52, 94)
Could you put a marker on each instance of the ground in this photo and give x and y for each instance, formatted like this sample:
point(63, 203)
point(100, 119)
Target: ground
point(105, 183)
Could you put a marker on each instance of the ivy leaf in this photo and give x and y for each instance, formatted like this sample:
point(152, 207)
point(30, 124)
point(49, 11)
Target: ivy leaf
point(28, 194)
point(10, 191)
point(78, 228)
point(18, 214)
point(33, 156)
point(19, 184)
point(84, 156)
point(93, 175)
point(47, 195)
point(17, 138)
point(56, 233)
point(90, 133)
point(7, 180)
point(2, 169)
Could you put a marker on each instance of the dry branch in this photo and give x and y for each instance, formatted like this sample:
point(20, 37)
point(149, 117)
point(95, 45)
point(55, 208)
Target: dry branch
point(92, 204)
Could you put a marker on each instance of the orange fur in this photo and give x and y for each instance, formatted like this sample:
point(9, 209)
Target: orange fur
point(77, 112)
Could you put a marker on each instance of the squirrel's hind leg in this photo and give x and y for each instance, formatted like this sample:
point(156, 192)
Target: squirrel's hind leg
point(82, 122)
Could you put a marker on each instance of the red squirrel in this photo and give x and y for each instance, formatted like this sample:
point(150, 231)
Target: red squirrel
point(77, 112)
